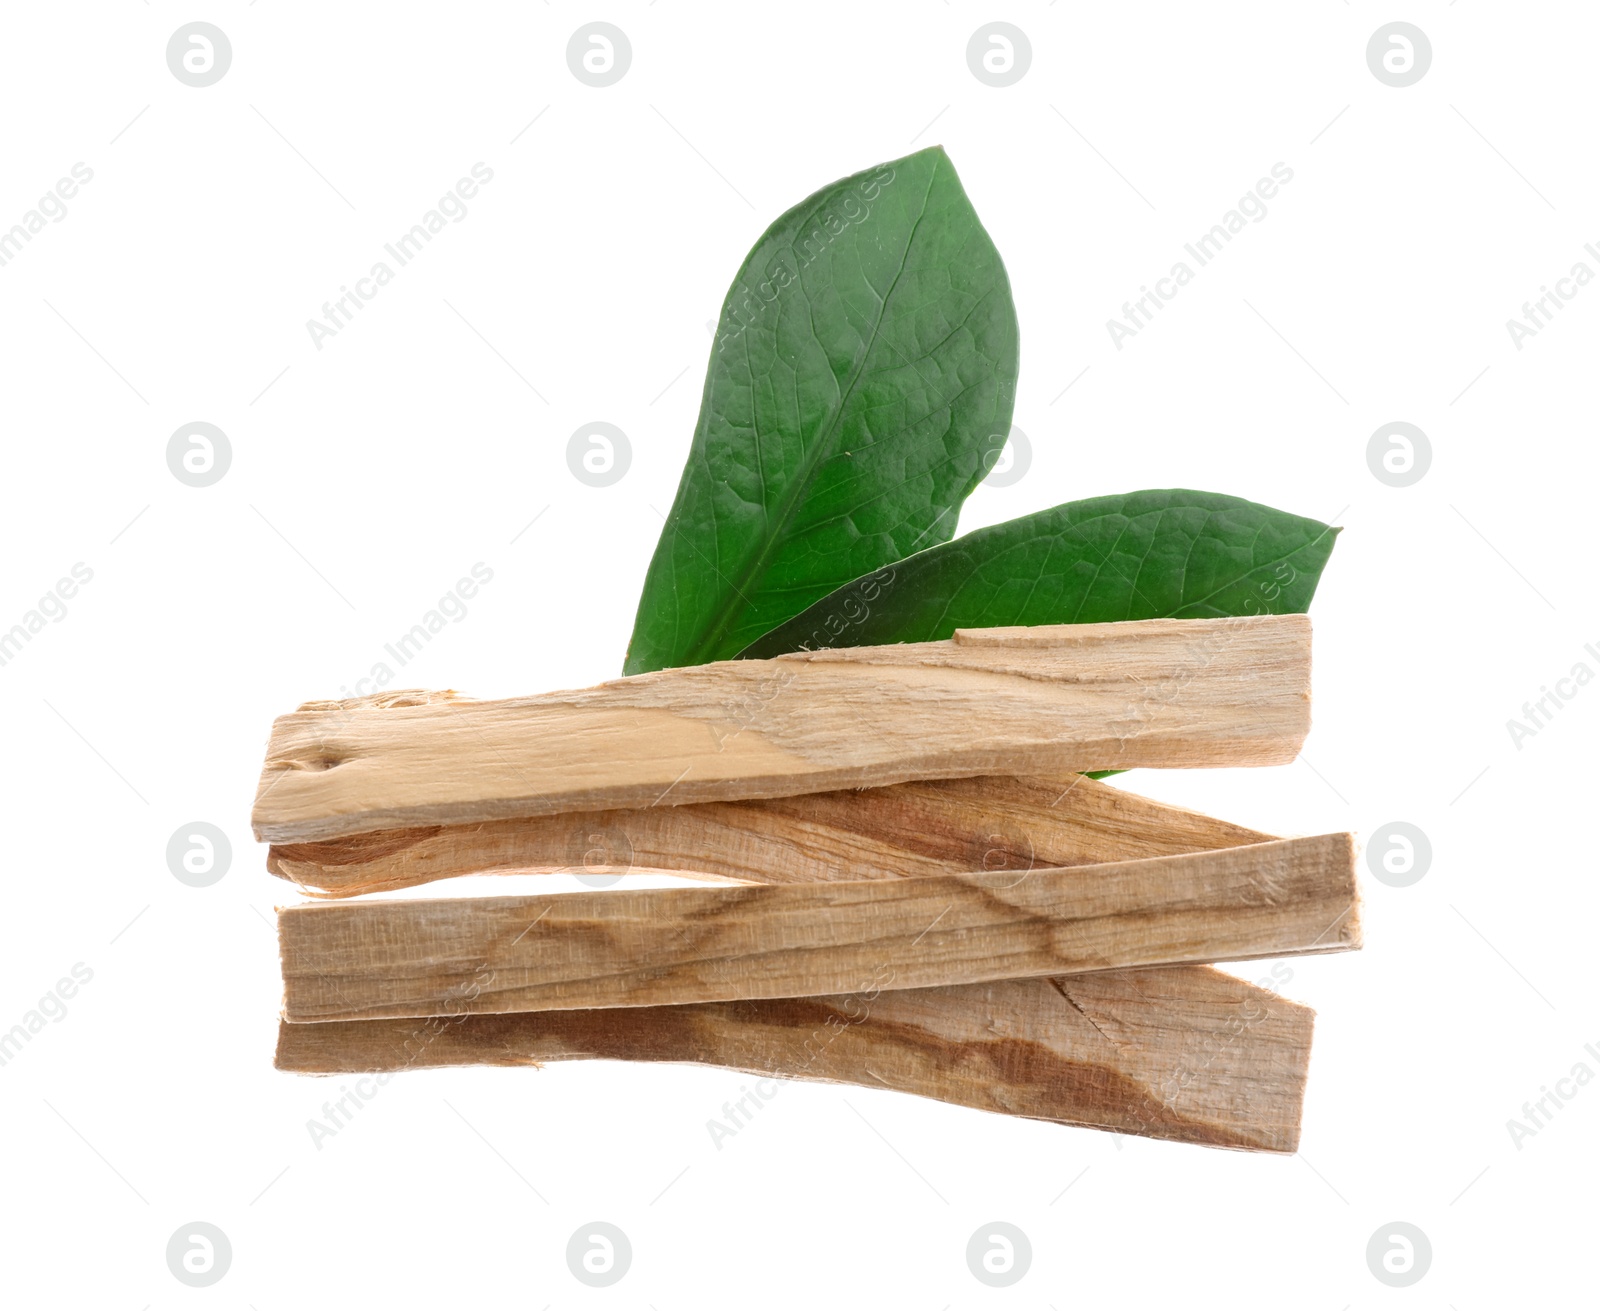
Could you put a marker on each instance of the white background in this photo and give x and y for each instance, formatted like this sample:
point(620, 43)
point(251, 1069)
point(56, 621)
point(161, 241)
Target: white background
point(368, 476)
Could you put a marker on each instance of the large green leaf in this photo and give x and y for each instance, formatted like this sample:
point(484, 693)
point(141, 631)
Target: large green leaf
point(1143, 555)
point(861, 381)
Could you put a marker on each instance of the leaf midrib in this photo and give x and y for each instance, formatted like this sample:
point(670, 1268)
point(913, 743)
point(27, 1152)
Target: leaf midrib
point(722, 621)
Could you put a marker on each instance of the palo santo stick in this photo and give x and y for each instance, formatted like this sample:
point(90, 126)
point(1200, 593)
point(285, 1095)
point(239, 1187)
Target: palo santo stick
point(664, 946)
point(1186, 1053)
point(1193, 1054)
point(1164, 692)
point(905, 831)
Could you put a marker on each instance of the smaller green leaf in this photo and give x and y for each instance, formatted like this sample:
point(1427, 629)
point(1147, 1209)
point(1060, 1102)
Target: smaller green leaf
point(1142, 555)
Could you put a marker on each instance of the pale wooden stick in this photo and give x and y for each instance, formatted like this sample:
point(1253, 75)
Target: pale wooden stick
point(1186, 1053)
point(911, 829)
point(1190, 692)
point(387, 959)
point(1007, 1047)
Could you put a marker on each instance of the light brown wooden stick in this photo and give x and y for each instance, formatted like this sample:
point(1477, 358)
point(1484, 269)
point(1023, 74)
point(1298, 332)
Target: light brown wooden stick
point(662, 946)
point(1009, 1047)
point(1192, 692)
point(948, 826)
point(1185, 1053)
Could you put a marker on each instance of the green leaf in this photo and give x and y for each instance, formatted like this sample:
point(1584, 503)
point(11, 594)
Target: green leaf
point(861, 382)
point(1143, 555)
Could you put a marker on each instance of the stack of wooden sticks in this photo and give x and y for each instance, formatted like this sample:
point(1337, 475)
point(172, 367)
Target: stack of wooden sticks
point(904, 878)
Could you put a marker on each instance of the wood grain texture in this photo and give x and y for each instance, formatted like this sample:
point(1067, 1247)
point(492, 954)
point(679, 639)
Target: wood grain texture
point(1063, 698)
point(1185, 1053)
point(661, 946)
point(909, 830)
